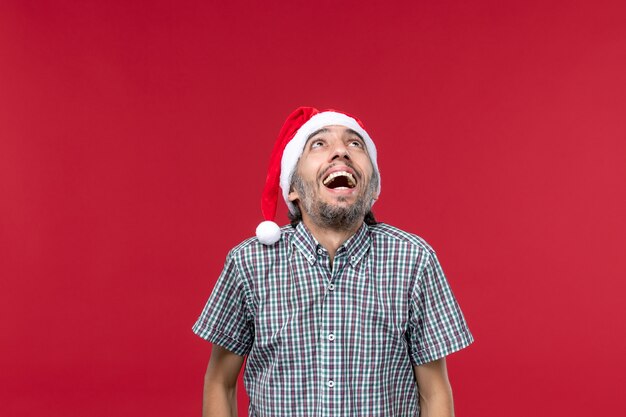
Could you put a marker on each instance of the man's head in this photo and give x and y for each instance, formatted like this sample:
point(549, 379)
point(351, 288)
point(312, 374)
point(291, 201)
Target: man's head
point(334, 184)
point(325, 163)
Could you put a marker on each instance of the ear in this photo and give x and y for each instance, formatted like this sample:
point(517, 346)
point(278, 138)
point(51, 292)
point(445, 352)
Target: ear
point(293, 195)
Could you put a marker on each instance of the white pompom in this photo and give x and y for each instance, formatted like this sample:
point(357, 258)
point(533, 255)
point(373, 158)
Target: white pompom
point(268, 232)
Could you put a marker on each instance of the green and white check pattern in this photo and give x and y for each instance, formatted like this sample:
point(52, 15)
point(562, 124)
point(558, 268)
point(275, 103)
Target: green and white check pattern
point(337, 341)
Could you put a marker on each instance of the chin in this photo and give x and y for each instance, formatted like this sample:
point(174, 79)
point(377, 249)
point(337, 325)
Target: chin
point(341, 202)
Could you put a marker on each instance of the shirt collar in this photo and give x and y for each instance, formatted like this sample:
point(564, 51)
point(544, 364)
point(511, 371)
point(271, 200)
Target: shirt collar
point(355, 248)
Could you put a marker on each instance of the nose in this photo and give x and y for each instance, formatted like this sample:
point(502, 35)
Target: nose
point(339, 150)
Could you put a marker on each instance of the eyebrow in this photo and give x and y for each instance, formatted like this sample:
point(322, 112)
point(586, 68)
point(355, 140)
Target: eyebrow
point(325, 130)
point(317, 132)
point(355, 133)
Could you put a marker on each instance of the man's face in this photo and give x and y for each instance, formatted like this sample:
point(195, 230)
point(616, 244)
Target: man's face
point(333, 179)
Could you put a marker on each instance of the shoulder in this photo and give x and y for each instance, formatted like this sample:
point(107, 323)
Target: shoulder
point(385, 233)
point(251, 248)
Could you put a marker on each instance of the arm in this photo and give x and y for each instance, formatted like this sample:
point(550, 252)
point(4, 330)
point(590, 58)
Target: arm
point(435, 392)
point(220, 383)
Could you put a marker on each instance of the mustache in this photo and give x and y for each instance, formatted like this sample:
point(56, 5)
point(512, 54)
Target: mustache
point(357, 173)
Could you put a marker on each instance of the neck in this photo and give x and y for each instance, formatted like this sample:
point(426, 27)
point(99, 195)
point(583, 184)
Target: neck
point(330, 238)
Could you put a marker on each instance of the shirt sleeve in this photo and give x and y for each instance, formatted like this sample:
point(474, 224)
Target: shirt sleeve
point(225, 320)
point(436, 324)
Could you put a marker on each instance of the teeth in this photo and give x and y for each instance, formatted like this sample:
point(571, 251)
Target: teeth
point(334, 175)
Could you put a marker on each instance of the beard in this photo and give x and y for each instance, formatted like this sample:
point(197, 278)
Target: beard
point(331, 216)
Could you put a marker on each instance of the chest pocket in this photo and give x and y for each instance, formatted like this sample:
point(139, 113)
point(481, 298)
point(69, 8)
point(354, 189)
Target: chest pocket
point(376, 305)
point(288, 311)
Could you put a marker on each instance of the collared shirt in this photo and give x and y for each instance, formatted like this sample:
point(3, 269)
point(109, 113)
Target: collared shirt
point(334, 341)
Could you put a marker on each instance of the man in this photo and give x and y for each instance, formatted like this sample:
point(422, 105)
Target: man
point(338, 315)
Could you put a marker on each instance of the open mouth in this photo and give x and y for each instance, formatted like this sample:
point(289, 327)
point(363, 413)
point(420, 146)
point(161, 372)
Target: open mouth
point(340, 180)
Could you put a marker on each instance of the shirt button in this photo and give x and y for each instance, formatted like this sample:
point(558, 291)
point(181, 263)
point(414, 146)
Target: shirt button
point(353, 258)
point(319, 251)
point(331, 337)
point(331, 287)
point(330, 383)
point(311, 257)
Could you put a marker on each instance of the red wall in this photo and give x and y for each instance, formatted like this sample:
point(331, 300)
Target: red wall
point(134, 138)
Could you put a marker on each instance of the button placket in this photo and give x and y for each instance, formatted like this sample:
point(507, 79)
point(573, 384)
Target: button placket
point(331, 316)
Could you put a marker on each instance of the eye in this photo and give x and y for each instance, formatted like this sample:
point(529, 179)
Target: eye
point(356, 143)
point(316, 143)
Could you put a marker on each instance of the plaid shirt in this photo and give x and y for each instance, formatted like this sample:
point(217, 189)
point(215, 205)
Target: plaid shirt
point(334, 341)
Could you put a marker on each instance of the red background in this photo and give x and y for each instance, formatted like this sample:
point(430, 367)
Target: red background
point(134, 139)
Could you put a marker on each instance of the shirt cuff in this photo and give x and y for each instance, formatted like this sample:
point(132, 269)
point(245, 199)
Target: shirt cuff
point(441, 349)
point(218, 338)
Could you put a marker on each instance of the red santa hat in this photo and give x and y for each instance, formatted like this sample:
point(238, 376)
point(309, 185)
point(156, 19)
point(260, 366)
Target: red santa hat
point(288, 147)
